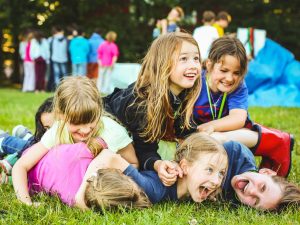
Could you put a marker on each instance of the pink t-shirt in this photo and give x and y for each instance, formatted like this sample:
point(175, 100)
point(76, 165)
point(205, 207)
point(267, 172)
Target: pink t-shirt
point(61, 171)
point(106, 52)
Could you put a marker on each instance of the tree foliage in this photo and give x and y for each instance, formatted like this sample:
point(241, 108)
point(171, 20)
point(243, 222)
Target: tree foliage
point(133, 20)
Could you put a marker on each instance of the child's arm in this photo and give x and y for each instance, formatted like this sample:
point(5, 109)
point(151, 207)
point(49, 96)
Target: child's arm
point(106, 159)
point(235, 120)
point(128, 153)
point(22, 166)
point(164, 26)
point(167, 171)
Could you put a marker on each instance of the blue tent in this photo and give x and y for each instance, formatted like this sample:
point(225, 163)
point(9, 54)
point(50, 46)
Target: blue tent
point(273, 77)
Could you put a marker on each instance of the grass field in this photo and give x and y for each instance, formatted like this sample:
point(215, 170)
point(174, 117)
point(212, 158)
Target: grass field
point(19, 108)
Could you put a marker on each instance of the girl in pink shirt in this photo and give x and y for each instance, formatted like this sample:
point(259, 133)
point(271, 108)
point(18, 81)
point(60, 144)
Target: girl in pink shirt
point(64, 171)
point(108, 53)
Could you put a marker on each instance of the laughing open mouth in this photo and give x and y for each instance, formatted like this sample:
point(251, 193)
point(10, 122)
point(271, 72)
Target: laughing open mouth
point(204, 192)
point(242, 185)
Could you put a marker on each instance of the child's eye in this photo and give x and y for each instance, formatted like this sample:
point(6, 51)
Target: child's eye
point(196, 58)
point(263, 188)
point(183, 59)
point(221, 174)
point(209, 170)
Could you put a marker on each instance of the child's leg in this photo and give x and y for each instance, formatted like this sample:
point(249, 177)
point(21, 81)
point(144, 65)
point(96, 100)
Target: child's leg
point(11, 145)
point(244, 136)
point(7, 163)
point(275, 147)
point(3, 135)
point(21, 132)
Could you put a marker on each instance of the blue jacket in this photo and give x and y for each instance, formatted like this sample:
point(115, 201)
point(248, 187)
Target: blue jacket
point(79, 50)
point(95, 41)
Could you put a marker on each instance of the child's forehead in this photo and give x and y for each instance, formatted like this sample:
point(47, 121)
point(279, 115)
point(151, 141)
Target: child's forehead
point(214, 158)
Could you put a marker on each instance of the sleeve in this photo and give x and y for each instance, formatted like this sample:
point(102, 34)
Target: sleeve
point(49, 137)
point(115, 135)
point(119, 103)
point(99, 51)
point(116, 51)
point(149, 182)
point(47, 50)
point(240, 160)
point(33, 49)
point(239, 98)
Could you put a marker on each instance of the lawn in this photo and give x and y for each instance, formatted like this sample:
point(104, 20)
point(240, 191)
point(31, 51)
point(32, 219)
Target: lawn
point(19, 108)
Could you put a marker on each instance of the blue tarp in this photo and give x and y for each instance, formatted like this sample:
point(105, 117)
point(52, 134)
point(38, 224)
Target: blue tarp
point(273, 77)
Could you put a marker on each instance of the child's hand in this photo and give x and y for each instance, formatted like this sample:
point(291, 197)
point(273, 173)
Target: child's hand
point(168, 172)
point(205, 128)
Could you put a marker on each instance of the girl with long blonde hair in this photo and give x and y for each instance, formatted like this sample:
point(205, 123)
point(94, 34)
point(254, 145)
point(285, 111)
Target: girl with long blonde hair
point(79, 118)
point(159, 105)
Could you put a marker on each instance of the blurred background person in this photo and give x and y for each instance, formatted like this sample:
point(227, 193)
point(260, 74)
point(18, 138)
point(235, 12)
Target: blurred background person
point(59, 54)
point(39, 52)
point(206, 34)
point(95, 41)
point(79, 49)
point(29, 72)
point(108, 53)
point(223, 19)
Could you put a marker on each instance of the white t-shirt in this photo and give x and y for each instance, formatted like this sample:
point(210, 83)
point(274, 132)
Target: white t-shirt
point(204, 36)
point(115, 135)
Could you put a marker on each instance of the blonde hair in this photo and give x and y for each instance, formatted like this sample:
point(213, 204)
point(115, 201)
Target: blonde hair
point(111, 36)
point(110, 189)
point(197, 144)
point(290, 193)
point(179, 11)
point(78, 101)
point(153, 85)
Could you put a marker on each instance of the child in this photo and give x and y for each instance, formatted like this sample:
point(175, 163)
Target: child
point(222, 106)
point(13, 146)
point(160, 104)
point(108, 53)
point(206, 34)
point(64, 169)
point(79, 114)
point(203, 161)
point(40, 54)
point(259, 189)
point(170, 23)
point(79, 49)
point(222, 21)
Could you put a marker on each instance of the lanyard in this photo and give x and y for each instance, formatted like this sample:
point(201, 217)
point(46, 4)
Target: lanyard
point(211, 105)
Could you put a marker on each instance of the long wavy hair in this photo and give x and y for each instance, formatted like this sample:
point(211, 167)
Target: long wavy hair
point(77, 100)
point(153, 85)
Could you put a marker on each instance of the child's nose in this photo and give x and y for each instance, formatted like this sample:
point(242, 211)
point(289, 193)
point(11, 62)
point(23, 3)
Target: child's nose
point(229, 77)
point(215, 180)
point(85, 130)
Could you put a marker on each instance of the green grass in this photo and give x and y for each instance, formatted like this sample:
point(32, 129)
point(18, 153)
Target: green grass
point(19, 108)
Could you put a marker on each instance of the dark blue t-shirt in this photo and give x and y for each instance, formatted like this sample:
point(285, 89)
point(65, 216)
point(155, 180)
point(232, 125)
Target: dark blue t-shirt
point(241, 160)
point(152, 186)
point(238, 99)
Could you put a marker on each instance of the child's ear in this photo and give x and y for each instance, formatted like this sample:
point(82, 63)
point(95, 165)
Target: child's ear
point(184, 166)
point(208, 64)
point(267, 172)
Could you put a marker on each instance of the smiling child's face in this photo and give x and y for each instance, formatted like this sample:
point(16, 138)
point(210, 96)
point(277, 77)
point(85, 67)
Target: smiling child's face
point(257, 190)
point(204, 177)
